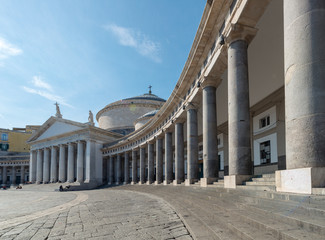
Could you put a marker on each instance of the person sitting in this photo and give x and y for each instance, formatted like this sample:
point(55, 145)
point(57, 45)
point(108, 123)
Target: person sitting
point(61, 188)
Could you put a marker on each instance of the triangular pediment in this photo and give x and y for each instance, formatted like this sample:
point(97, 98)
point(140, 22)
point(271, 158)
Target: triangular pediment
point(55, 127)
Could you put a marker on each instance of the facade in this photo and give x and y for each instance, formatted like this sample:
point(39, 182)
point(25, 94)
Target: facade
point(14, 155)
point(249, 101)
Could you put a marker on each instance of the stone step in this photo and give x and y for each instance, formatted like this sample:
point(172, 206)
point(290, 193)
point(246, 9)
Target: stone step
point(283, 206)
point(318, 191)
point(280, 229)
point(315, 225)
point(263, 179)
point(244, 230)
point(259, 183)
point(250, 192)
point(268, 175)
point(257, 187)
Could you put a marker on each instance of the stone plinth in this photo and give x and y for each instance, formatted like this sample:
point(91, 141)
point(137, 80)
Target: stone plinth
point(300, 180)
point(233, 180)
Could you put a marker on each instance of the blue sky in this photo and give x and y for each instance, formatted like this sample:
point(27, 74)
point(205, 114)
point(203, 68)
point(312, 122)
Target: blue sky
point(86, 54)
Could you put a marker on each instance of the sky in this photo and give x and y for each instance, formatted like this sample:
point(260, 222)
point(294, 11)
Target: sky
point(85, 54)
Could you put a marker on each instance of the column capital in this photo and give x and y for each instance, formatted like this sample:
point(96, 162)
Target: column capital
point(180, 120)
point(191, 105)
point(159, 137)
point(210, 81)
point(240, 32)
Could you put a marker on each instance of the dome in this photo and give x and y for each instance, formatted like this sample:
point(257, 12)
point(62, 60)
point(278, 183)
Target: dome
point(150, 114)
point(144, 119)
point(147, 96)
point(120, 116)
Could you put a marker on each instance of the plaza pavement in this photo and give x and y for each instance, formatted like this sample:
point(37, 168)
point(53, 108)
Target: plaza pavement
point(138, 212)
point(37, 212)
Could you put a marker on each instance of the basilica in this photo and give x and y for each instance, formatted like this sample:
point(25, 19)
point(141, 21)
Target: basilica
point(249, 102)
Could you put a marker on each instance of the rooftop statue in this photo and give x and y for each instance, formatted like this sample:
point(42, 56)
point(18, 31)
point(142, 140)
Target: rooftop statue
point(91, 117)
point(58, 113)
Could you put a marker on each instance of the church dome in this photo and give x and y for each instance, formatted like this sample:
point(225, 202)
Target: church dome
point(144, 119)
point(147, 96)
point(121, 115)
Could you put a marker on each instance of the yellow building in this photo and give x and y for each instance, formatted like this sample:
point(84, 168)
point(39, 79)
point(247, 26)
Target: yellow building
point(15, 140)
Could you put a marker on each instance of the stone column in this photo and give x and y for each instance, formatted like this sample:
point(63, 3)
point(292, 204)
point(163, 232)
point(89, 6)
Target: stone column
point(210, 147)
point(22, 174)
point(62, 164)
point(192, 146)
point(80, 162)
point(240, 164)
point(134, 167)
point(107, 170)
point(179, 153)
point(168, 158)
point(71, 162)
point(46, 166)
point(150, 163)
point(39, 170)
point(32, 166)
point(4, 175)
point(111, 170)
point(126, 168)
point(142, 165)
point(159, 160)
point(118, 169)
point(13, 181)
point(304, 37)
point(54, 164)
point(91, 158)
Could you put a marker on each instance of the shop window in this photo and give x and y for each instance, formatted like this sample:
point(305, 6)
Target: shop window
point(265, 152)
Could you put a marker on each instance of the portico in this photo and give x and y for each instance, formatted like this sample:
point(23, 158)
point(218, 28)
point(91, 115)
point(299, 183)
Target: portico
point(67, 151)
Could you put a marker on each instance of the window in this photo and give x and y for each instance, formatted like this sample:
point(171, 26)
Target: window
point(4, 147)
point(4, 136)
point(265, 121)
point(265, 152)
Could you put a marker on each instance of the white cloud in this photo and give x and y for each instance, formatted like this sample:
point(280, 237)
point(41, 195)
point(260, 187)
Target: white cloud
point(137, 40)
point(7, 49)
point(47, 95)
point(38, 82)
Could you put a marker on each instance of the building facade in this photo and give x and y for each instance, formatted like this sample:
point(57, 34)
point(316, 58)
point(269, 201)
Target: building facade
point(14, 155)
point(249, 101)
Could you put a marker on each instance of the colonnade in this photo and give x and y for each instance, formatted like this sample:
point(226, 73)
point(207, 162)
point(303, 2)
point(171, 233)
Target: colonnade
point(239, 128)
point(59, 163)
point(14, 169)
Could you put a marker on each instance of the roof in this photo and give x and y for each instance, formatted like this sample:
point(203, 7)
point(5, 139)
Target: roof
point(147, 96)
point(150, 114)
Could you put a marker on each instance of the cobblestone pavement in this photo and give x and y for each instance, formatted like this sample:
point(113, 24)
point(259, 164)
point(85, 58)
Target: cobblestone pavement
point(96, 214)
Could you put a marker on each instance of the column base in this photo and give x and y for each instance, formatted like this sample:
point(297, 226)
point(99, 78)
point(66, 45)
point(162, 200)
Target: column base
point(157, 182)
point(142, 183)
point(150, 182)
point(125, 183)
point(300, 180)
point(166, 182)
point(233, 180)
point(206, 181)
point(117, 183)
point(177, 182)
point(133, 183)
point(189, 182)
point(38, 182)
